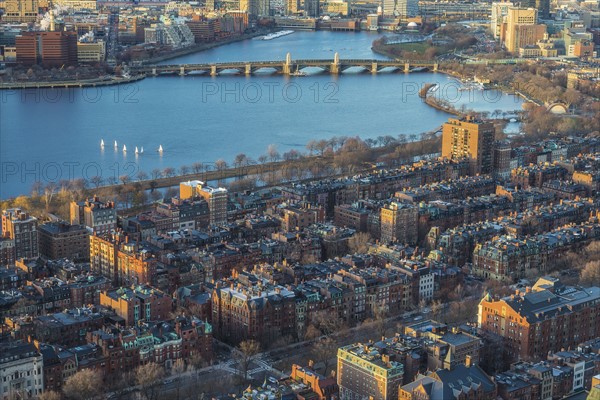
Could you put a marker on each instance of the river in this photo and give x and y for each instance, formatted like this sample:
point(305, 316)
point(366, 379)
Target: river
point(48, 135)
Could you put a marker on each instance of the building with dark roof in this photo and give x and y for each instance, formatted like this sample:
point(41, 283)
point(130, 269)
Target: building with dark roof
point(464, 381)
point(548, 317)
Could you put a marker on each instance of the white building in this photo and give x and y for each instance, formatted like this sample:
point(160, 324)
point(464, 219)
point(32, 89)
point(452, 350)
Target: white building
point(401, 8)
point(426, 284)
point(21, 371)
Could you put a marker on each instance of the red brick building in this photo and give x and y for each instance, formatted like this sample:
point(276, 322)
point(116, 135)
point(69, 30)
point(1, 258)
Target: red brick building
point(547, 317)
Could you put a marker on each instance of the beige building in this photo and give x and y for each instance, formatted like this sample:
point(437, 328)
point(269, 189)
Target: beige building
point(93, 52)
point(399, 223)
point(20, 11)
point(521, 29)
point(469, 138)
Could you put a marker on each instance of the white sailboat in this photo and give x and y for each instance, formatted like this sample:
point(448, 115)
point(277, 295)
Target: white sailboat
point(142, 150)
point(136, 150)
point(102, 143)
point(124, 149)
point(116, 146)
point(160, 149)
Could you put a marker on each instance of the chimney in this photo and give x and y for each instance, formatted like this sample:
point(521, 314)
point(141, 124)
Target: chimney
point(468, 361)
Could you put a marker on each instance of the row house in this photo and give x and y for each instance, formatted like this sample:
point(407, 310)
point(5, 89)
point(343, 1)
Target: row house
point(535, 175)
point(508, 258)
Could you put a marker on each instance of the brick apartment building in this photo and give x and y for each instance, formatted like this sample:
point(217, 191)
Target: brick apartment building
point(547, 317)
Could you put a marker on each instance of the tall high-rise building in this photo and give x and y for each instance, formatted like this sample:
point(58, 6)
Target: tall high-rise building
point(399, 223)
point(22, 228)
point(499, 13)
point(20, 11)
point(215, 197)
point(521, 28)
point(469, 138)
point(364, 371)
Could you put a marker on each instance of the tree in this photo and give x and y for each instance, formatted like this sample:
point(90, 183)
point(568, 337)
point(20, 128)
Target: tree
point(359, 242)
point(197, 167)
point(142, 176)
point(220, 164)
point(96, 180)
point(156, 173)
point(245, 353)
point(272, 153)
point(311, 146)
point(125, 179)
point(240, 160)
point(327, 322)
point(49, 395)
point(178, 367)
point(184, 170)
point(321, 146)
point(590, 274)
point(169, 172)
point(148, 377)
point(324, 351)
point(85, 384)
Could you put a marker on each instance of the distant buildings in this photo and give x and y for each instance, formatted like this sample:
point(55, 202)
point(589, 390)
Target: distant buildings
point(49, 49)
point(520, 28)
point(471, 139)
point(20, 11)
point(546, 318)
point(22, 229)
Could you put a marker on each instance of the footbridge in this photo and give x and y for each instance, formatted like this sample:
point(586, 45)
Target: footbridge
point(289, 66)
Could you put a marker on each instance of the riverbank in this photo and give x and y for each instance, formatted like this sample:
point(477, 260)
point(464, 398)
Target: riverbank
point(70, 84)
point(201, 47)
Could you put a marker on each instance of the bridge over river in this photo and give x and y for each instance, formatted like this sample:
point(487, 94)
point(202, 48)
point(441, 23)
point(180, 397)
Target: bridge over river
point(288, 67)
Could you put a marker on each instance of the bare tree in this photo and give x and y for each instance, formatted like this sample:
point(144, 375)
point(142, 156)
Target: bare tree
point(197, 167)
point(49, 395)
point(96, 180)
point(85, 384)
point(169, 172)
point(142, 176)
point(272, 153)
point(220, 164)
point(148, 377)
point(184, 170)
point(245, 353)
point(590, 274)
point(324, 351)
